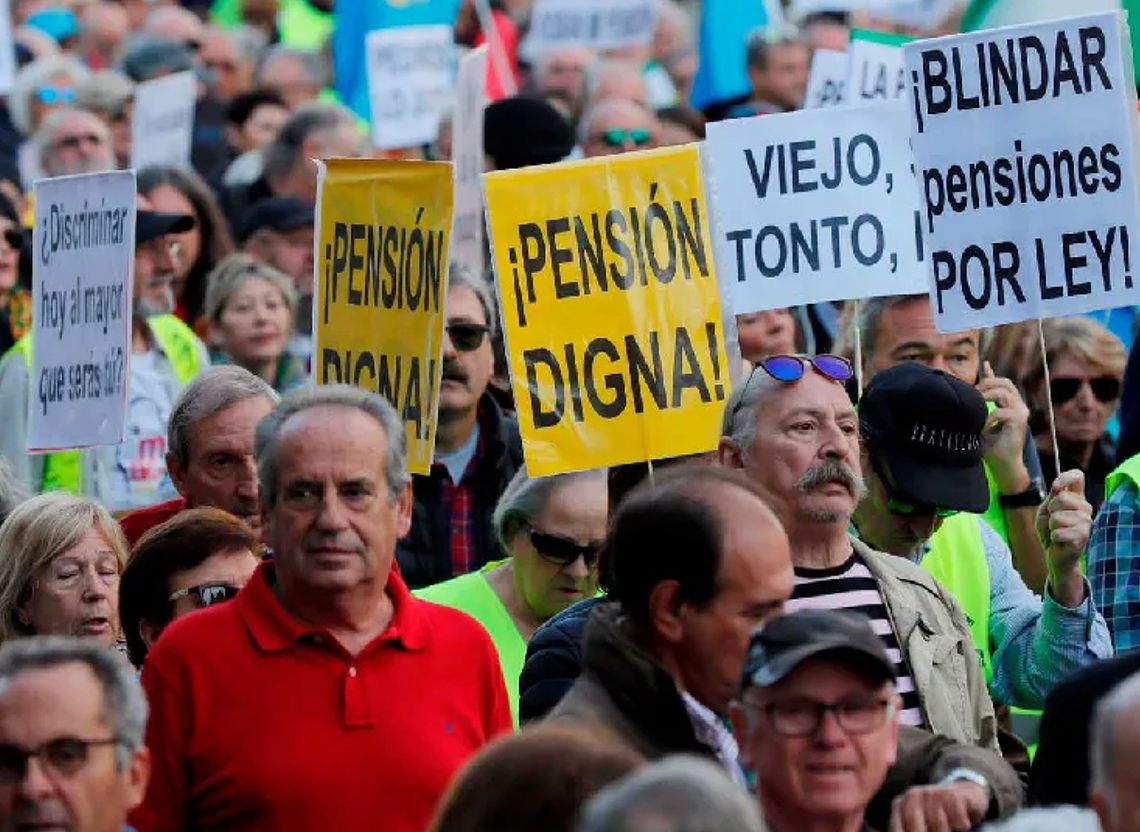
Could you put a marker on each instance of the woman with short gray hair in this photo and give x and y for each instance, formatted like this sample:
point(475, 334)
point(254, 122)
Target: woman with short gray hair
point(552, 528)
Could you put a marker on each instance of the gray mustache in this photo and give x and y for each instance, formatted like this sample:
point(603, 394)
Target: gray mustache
point(832, 471)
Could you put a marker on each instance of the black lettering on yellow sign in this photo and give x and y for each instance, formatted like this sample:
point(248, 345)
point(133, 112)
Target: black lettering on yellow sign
point(613, 377)
point(387, 267)
point(618, 248)
point(407, 381)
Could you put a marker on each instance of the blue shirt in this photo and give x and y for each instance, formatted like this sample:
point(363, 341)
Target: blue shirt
point(1114, 564)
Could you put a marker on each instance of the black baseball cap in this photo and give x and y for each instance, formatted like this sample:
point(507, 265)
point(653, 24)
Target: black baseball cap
point(787, 641)
point(923, 430)
point(150, 225)
point(279, 213)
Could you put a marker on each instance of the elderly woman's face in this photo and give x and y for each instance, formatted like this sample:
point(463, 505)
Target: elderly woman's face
point(255, 323)
point(1084, 398)
point(77, 593)
point(573, 523)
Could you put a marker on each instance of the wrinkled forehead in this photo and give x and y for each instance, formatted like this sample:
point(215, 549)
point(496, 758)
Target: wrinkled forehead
point(812, 394)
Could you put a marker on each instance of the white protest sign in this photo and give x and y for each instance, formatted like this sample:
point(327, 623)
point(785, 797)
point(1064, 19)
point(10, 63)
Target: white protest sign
point(597, 24)
point(7, 49)
point(467, 160)
point(410, 75)
point(875, 71)
point(815, 206)
point(83, 275)
point(826, 80)
point(163, 121)
point(1024, 143)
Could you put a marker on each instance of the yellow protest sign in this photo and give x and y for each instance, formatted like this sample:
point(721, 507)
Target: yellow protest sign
point(383, 231)
point(610, 308)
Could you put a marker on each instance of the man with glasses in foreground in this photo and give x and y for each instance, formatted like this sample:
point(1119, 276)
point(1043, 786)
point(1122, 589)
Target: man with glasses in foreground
point(72, 717)
point(818, 722)
point(923, 448)
point(477, 448)
point(793, 430)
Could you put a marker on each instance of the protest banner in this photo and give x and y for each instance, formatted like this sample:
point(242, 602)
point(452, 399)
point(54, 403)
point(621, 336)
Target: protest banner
point(163, 121)
point(410, 75)
point(596, 24)
point(815, 206)
point(381, 283)
point(610, 308)
point(467, 159)
point(875, 69)
point(1024, 142)
point(83, 277)
point(826, 80)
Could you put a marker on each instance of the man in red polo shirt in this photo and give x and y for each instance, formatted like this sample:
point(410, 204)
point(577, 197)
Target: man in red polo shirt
point(324, 696)
point(209, 451)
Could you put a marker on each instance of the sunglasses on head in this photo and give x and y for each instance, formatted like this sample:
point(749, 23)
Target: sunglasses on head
point(207, 594)
point(616, 137)
point(466, 336)
point(909, 510)
point(563, 552)
point(1105, 388)
point(791, 368)
point(49, 94)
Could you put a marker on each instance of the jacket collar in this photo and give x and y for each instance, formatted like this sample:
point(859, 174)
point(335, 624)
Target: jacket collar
point(273, 629)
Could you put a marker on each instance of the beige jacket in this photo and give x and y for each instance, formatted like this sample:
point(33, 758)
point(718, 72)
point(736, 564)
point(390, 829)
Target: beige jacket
point(935, 639)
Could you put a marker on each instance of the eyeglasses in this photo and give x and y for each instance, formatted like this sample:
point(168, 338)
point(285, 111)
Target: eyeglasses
point(14, 239)
point(802, 717)
point(49, 94)
point(75, 142)
point(65, 756)
point(466, 336)
point(790, 368)
point(616, 137)
point(1105, 388)
point(909, 510)
point(563, 552)
point(208, 594)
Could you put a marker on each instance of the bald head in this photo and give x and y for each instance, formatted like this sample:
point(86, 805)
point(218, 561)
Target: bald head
point(103, 27)
point(175, 23)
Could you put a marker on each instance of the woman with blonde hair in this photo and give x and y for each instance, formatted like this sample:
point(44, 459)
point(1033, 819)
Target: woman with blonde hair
point(1086, 369)
point(60, 561)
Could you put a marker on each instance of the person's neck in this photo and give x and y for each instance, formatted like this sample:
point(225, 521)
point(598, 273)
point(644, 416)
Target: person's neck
point(140, 336)
point(794, 820)
point(354, 617)
point(265, 370)
point(819, 545)
point(504, 580)
point(453, 430)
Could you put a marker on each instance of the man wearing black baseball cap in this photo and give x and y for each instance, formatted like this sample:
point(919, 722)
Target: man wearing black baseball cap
point(923, 447)
point(818, 721)
point(165, 356)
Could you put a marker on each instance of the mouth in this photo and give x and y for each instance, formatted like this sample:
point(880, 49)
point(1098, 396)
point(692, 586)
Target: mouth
point(95, 625)
point(827, 771)
point(833, 487)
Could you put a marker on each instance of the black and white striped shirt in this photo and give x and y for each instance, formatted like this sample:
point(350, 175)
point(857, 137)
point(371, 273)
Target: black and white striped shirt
point(851, 586)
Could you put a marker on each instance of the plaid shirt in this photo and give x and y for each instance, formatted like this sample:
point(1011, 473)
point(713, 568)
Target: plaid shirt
point(457, 501)
point(1114, 565)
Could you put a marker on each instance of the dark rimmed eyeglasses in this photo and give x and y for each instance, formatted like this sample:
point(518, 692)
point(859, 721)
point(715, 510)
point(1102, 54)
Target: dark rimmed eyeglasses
point(1105, 388)
point(207, 594)
point(466, 335)
point(64, 756)
point(802, 717)
point(562, 552)
point(789, 369)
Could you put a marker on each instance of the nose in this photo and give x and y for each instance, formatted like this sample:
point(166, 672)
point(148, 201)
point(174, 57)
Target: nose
point(36, 784)
point(332, 516)
point(938, 362)
point(247, 478)
point(449, 350)
point(578, 568)
point(829, 733)
point(1085, 397)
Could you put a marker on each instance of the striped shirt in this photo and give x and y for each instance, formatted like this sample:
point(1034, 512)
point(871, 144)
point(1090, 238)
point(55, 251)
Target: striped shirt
point(851, 586)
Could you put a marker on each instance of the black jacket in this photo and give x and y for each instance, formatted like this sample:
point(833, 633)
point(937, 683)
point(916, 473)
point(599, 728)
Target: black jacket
point(425, 554)
point(1061, 767)
point(553, 660)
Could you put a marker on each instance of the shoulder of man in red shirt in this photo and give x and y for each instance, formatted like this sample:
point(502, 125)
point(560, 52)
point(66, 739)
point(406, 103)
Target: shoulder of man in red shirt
point(142, 520)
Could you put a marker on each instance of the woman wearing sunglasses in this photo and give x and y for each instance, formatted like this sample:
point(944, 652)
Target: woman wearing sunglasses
point(15, 299)
point(199, 558)
point(552, 528)
point(1086, 368)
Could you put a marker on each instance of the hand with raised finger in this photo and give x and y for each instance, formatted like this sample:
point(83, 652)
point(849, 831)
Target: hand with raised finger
point(954, 807)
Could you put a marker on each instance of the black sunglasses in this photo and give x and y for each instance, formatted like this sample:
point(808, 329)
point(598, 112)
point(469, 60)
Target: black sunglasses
point(65, 756)
point(208, 594)
point(466, 336)
point(14, 239)
point(563, 552)
point(1105, 388)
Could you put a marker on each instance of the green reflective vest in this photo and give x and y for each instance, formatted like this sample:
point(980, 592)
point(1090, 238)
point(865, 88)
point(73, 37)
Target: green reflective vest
point(298, 23)
point(62, 469)
point(1127, 470)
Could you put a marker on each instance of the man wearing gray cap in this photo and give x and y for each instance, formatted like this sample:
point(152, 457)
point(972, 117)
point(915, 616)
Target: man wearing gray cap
point(818, 720)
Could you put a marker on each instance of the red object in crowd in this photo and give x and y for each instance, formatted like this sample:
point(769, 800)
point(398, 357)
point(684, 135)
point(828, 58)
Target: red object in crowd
point(509, 37)
point(260, 722)
point(142, 520)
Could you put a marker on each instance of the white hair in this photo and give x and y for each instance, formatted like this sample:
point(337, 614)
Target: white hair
point(32, 77)
point(1104, 741)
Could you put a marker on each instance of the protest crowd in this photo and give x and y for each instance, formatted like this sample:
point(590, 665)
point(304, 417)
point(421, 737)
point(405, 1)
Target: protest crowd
point(569, 416)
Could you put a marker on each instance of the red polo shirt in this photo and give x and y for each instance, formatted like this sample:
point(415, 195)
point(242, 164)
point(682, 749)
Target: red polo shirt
point(142, 520)
point(260, 722)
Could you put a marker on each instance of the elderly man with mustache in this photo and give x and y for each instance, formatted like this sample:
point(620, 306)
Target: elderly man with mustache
point(794, 431)
point(477, 448)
